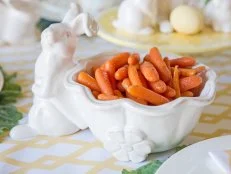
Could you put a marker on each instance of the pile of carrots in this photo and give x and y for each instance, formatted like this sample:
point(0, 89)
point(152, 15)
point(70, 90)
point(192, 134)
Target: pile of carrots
point(154, 81)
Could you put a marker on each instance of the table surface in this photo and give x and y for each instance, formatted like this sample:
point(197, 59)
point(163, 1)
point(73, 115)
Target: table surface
point(81, 152)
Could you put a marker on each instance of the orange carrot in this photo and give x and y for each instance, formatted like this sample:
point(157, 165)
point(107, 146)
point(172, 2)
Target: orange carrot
point(187, 94)
point(189, 83)
point(126, 83)
point(110, 69)
point(134, 59)
point(138, 100)
point(170, 92)
point(158, 62)
point(133, 75)
point(142, 79)
point(107, 97)
point(95, 93)
point(120, 87)
point(147, 58)
point(103, 81)
point(146, 94)
point(121, 73)
point(167, 62)
point(176, 83)
point(85, 79)
point(183, 62)
point(158, 87)
point(120, 59)
point(185, 72)
point(200, 69)
point(93, 69)
point(118, 93)
point(149, 72)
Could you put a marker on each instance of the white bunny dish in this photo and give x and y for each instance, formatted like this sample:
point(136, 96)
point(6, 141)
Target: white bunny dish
point(19, 19)
point(137, 16)
point(49, 115)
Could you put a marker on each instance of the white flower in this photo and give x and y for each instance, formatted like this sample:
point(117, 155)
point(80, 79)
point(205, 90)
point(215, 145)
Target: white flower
point(128, 144)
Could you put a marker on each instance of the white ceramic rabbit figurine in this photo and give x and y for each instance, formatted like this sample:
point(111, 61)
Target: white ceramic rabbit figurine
point(137, 16)
point(18, 21)
point(48, 116)
point(218, 15)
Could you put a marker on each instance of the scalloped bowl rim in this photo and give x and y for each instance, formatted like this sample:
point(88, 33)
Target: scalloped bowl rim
point(210, 86)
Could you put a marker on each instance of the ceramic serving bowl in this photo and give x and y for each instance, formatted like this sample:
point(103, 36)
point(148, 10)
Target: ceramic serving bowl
point(131, 131)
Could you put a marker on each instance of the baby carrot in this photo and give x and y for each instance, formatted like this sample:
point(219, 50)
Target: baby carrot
point(183, 62)
point(200, 69)
point(149, 72)
point(185, 72)
point(147, 58)
point(142, 79)
point(120, 59)
point(110, 69)
point(187, 94)
point(138, 100)
point(188, 83)
point(133, 75)
point(93, 69)
point(118, 93)
point(95, 93)
point(121, 73)
point(103, 81)
point(167, 62)
point(107, 97)
point(170, 92)
point(176, 83)
point(158, 62)
point(85, 79)
point(120, 87)
point(134, 59)
point(158, 87)
point(126, 83)
point(146, 94)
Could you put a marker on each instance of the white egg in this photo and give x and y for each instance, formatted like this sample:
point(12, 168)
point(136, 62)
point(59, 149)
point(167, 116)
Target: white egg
point(187, 20)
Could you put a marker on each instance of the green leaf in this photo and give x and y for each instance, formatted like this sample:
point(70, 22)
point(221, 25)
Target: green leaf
point(149, 168)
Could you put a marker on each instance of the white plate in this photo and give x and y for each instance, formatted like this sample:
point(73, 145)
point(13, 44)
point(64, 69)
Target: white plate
point(195, 159)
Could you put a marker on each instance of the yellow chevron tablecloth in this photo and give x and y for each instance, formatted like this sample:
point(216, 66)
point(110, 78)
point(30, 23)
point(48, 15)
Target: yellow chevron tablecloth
point(82, 153)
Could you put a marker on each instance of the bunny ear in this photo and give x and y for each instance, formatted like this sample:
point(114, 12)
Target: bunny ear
point(73, 12)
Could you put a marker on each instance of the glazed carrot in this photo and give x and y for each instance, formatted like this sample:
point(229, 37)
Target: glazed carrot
point(196, 91)
point(85, 79)
point(118, 93)
point(149, 72)
point(185, 72)
point(142, 79)
point(120, 59)
point(158, 87)
point(110, 69)
point(95, 93)
point(158, 62)
point(126, 83)
point(167, 62)
point(200, 69)
point(170, 92)
point(187, 94)
point(183, 62)
point(133, 75)
point(189, 83)
point(138, 100)
point(146, 94)
point(120, 87)
point(134, 59)
point(103, 81)
point(176, 83)
point(107, 97)
point(121, 73)
point(147, 58)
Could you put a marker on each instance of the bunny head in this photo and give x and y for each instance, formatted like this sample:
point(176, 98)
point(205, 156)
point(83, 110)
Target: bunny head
point(60, 40)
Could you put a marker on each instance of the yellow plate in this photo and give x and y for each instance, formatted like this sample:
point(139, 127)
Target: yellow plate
point(206, 41)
